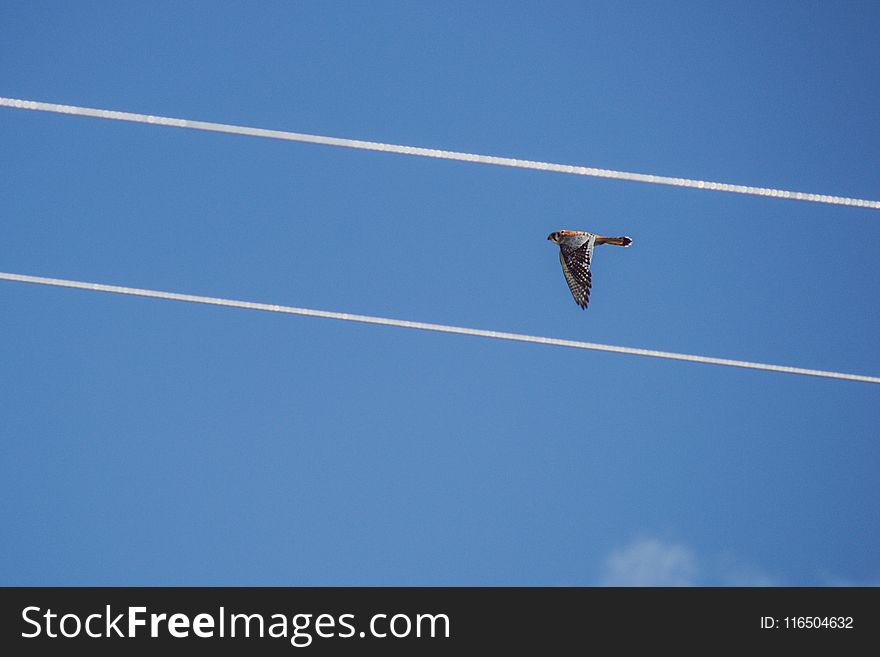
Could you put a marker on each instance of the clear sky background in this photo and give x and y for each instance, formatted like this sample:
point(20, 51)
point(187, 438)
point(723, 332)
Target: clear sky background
point(148, 442)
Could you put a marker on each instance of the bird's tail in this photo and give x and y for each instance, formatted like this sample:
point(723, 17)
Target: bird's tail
point(616, 241)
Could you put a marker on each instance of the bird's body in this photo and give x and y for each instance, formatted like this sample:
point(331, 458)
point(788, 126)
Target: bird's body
point(575, 254)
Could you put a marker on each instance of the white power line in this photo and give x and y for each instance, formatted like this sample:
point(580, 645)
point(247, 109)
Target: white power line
point(435, 153)
point(424, 326)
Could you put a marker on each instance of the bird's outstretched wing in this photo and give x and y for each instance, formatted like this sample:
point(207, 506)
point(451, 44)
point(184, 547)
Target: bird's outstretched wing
point(576, 267)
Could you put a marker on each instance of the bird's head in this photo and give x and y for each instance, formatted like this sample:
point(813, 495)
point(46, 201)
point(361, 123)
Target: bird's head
point(554, 237)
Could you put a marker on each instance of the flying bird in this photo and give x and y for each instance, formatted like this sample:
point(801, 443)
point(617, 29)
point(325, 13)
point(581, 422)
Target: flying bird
point(575, 253)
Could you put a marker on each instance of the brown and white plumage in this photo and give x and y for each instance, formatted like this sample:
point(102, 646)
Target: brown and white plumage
point(575, 255)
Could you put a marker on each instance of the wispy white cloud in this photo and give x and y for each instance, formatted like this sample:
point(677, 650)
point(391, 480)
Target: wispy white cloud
point(731, 570)
point(656, 562)
point(651, 562)
point(833, 580)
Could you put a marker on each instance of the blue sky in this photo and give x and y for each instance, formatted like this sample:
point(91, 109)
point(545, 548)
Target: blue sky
point(148, 442)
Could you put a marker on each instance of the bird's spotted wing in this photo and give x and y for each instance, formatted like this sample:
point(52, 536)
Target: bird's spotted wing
point(576, 267)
